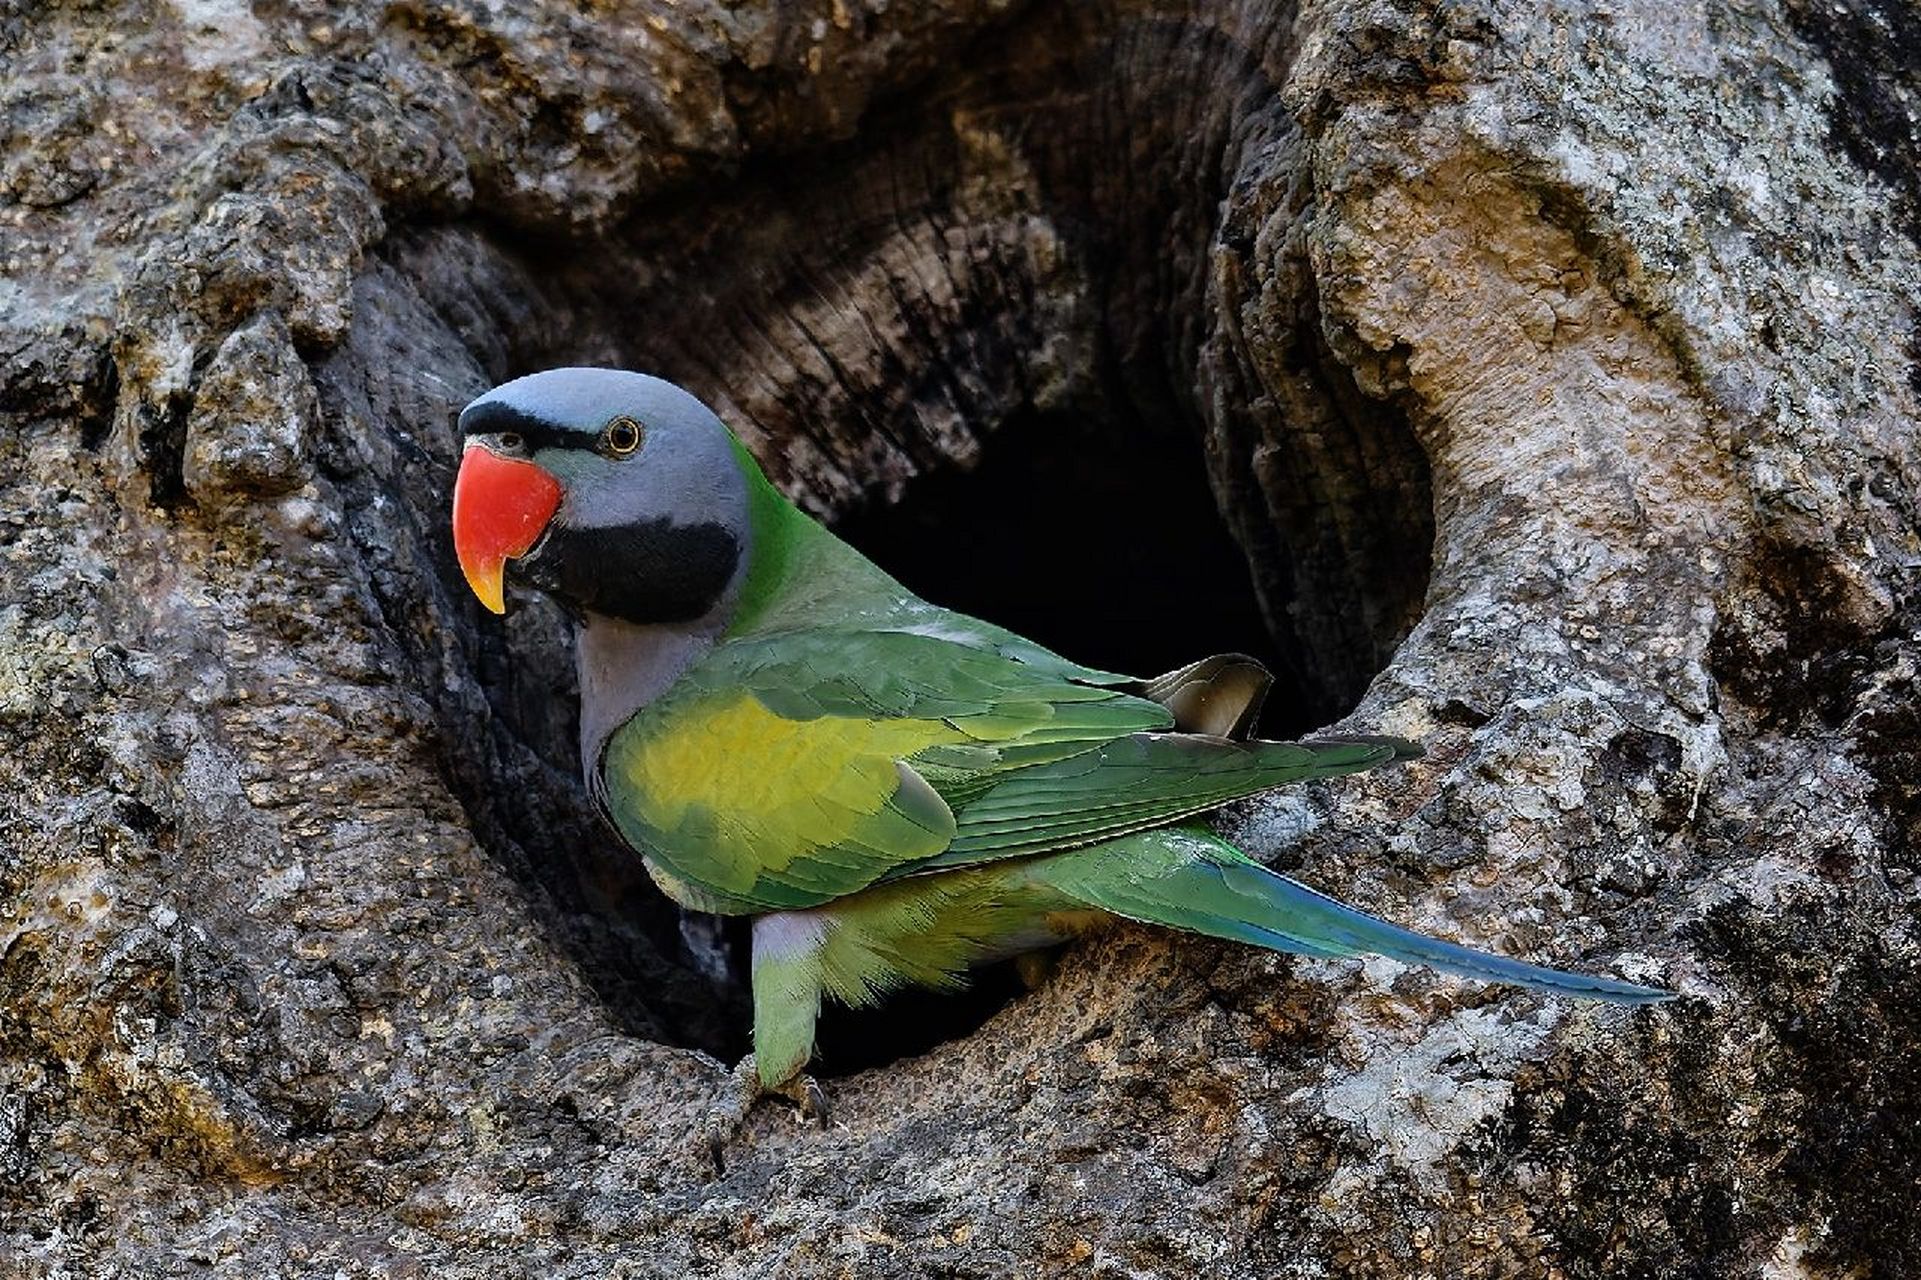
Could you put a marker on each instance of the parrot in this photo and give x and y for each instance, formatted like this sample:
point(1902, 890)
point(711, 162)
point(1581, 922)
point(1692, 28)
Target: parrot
point(894, 792)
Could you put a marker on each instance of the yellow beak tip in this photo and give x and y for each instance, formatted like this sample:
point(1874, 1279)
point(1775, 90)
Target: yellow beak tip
point(491, 591)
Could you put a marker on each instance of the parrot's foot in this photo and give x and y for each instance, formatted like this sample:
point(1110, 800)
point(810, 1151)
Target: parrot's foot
point(805, 1093)
point(728, 1116)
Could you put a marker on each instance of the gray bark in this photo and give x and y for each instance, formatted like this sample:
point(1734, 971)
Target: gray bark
point(1553, 365)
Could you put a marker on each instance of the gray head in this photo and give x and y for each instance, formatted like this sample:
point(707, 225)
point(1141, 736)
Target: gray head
point(618, 493)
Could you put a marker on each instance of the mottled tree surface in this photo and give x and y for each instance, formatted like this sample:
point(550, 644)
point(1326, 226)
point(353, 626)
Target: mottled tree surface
point(1552, 364)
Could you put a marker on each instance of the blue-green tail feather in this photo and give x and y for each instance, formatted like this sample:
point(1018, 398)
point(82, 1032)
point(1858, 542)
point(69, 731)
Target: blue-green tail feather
point(1186, 878)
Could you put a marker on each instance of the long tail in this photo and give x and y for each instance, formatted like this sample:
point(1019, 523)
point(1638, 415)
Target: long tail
point(1186, 878)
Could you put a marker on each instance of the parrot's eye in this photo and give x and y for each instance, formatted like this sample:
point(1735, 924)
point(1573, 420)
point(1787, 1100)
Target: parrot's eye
point(510, 441)
point(621, 437)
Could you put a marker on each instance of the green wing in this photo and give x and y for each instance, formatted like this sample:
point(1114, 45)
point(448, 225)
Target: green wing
point(793, 769)
point(1142, 780)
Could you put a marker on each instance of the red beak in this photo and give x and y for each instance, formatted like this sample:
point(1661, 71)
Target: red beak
point(501, 507)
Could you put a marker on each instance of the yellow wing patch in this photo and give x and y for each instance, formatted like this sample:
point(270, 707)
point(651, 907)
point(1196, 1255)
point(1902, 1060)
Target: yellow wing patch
point(739, 757)
point(738, 792)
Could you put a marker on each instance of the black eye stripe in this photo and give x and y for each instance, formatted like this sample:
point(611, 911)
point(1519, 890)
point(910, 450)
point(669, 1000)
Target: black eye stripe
point(494, 418)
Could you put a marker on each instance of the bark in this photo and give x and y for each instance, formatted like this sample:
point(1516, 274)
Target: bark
point(1553, 366)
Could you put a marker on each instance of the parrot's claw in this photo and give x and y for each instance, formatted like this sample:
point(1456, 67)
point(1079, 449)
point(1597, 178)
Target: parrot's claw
point(805, 1092)
point(728, 1116)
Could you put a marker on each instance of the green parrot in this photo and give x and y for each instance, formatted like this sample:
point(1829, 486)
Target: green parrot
point(893, 791)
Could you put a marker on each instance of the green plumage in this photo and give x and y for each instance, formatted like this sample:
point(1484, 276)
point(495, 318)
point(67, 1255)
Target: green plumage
point(900, 793)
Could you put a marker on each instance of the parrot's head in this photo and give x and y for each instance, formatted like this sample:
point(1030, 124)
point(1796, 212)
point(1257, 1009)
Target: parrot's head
point(618, 493)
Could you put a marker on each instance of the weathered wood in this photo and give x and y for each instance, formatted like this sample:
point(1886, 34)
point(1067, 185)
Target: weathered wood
point(1553, 367)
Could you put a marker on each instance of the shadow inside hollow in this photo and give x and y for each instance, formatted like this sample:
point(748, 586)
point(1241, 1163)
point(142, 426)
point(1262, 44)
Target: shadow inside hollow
point(1100, 540)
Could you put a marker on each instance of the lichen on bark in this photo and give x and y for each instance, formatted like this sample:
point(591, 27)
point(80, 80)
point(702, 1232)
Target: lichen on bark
point(1554, 367)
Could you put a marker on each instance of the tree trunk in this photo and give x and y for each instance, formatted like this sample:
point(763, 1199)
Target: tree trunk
point(1552, 367)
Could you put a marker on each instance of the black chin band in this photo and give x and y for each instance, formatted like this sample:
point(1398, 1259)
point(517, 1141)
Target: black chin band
point(653, 571)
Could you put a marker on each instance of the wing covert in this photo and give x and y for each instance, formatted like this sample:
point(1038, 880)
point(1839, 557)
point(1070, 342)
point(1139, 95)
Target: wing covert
point(792, 770)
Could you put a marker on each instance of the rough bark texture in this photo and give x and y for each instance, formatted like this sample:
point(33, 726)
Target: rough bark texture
point(1553, 365)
